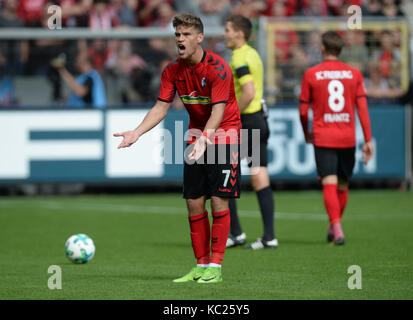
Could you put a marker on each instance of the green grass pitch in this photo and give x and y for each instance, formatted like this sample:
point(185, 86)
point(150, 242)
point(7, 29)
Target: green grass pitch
point(142, 243)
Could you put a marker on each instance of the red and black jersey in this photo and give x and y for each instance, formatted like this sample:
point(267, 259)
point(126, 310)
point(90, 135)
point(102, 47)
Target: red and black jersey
point(333, 89)
point(200, 87)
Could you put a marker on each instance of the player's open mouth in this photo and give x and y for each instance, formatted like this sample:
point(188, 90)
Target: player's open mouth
point(181, 49)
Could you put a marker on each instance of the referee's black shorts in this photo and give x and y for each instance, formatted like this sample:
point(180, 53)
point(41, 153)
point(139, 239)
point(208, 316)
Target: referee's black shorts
point(253, 150)
point(335, 161)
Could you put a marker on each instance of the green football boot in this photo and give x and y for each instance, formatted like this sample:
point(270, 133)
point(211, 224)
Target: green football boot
point(211, 275)
point(193, 275)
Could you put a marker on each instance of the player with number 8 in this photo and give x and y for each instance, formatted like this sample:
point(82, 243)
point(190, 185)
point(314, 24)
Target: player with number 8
point(333, 90)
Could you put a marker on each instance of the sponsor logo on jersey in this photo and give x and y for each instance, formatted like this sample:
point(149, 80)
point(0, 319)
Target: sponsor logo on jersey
point(193, 98)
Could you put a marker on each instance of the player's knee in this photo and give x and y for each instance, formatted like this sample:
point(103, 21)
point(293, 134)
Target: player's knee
point(195, 206)
point(259, 178)
point(331, 179)
point(219, 204)
point(342, 184)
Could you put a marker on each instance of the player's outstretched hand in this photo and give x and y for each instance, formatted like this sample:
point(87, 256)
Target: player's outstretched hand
point(129, 138)
point(367, 151)
point(199, 148)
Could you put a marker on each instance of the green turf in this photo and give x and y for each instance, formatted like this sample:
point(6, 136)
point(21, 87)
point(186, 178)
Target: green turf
point(143, 243)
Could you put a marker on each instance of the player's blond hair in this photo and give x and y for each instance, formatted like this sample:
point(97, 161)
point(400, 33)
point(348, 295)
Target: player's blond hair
point(188, 20)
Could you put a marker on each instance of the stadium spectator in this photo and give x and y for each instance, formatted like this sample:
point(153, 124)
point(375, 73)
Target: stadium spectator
point(372, 8)
point(103, 16)
point(147, 11)
point(211, 12)
point(391, 9)
point(130, 72)
point(248, 71)
point(75, 13)
point(210, 100)
point(407, 8)
point(355, 54)
point(8, 15)
point(6, 86)
point(333, 132)
point(249, 8)
point(99, 53)
point(15, 52)
point(42, 51)
point(125, 12)
point(31, 12)
point(281, 8)
point(387, 56)
point(284, 39)
point(340, 7)
point(298, 62)
point(312, 47)
point(277, 8)
point(86, 90)
point(176, 104)
point(377, 87)
point(314, 8)
point(291, 71)
point(164, 15)
point(186, 5)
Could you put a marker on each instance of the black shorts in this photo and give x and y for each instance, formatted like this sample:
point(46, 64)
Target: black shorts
point(216, 173)
point(332, 161)
point(256, 153)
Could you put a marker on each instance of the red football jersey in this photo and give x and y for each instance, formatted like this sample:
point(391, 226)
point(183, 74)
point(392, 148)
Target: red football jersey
point(333, 89)
point(200, 87)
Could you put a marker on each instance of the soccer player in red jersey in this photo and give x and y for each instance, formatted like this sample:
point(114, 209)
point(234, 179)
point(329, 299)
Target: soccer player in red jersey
point(205, 84)
point(333, 89)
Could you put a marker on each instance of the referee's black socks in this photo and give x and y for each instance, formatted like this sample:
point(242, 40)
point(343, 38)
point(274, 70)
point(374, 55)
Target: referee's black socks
point(266, 202)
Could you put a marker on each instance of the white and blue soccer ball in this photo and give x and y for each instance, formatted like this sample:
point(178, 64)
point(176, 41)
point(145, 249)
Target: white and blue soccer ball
point(80, 248)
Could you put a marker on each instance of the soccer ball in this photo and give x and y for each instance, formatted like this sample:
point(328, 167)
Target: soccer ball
point(80, 248)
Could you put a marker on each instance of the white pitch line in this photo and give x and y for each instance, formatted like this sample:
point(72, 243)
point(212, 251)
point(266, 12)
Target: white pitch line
point(139, 209)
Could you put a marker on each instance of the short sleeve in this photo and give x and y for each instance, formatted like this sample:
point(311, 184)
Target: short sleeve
point(167, 91)
point(88, 98)
point(241, 68)
point(221, 82)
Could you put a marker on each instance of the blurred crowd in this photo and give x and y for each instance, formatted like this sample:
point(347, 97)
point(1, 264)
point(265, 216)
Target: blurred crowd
point(133, 67)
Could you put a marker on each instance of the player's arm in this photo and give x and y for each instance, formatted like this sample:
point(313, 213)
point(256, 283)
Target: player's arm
point(151, 120)
point(77, 88)
point(155, 115)
point(247, 83)
point(363, 113)
point(304, 106)
point(247, 95)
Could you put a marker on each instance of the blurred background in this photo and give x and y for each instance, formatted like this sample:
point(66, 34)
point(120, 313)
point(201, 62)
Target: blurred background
point(53, 142)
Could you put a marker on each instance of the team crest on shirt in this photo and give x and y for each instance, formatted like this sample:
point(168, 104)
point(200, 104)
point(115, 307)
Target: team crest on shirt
point(203, 82)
